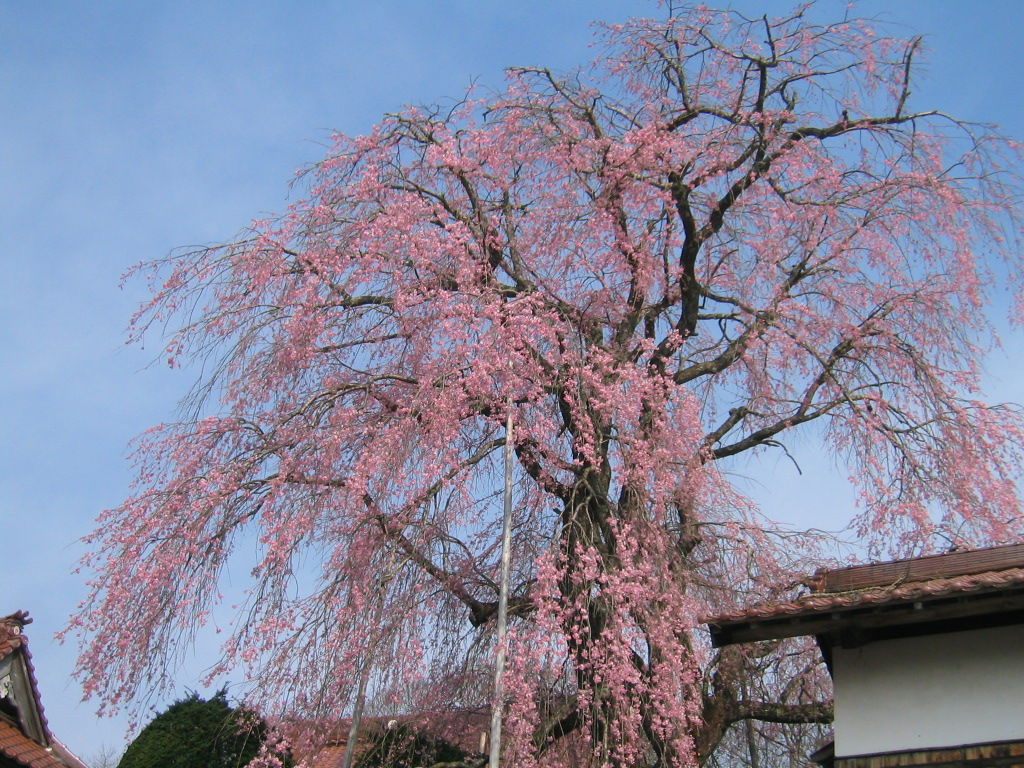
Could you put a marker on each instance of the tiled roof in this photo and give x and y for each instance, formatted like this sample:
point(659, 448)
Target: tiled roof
point(18, 747)
point(460, 728)
point(904, 592)
point(14, 744)
point(330, 756)
point(945, 565)
point(889, 584)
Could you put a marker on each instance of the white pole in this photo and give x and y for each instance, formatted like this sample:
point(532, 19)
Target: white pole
point(506, 557)
point(357, 716)
point(364, 673)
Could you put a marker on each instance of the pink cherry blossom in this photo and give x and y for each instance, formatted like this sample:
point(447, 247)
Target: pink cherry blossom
point(723, 233)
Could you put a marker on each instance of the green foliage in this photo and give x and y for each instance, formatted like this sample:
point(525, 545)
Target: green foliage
point(403, 747)
point(197, 733)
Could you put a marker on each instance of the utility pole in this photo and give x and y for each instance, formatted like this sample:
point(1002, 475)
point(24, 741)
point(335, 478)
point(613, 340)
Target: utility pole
point(364, 673)
point(506, 557)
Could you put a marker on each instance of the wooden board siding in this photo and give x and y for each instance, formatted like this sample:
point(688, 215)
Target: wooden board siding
point(1001, 755)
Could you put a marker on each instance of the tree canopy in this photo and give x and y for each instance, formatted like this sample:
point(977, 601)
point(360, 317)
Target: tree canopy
point(723, 233)
point(197, 733)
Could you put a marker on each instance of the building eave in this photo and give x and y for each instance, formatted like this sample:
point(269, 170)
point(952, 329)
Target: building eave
point(928, 614)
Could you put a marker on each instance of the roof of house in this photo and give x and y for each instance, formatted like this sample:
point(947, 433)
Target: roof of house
point(16, 743)
point(880, 597)
point(18, 747)
point(461, 728)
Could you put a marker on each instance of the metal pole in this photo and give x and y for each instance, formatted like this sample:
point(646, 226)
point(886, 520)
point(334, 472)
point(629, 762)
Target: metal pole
point(364, 673)
point(506, 557)
point(357, 716)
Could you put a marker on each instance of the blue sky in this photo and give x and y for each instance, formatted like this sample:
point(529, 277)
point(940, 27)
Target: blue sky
point(130, 128)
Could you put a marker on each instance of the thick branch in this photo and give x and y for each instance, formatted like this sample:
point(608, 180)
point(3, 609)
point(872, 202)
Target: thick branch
point(772, 712)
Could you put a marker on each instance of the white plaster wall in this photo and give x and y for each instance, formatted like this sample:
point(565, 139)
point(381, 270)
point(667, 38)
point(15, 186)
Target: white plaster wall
point(934, 691)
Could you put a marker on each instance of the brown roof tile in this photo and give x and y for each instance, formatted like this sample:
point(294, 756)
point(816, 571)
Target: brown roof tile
point(915, 590)
point(18, 747)
point(901, 581)
point(330, 756)
point(920, 569)
point(459, 728)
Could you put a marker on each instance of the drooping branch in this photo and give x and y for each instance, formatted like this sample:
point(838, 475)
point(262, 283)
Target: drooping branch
point(678, 258)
